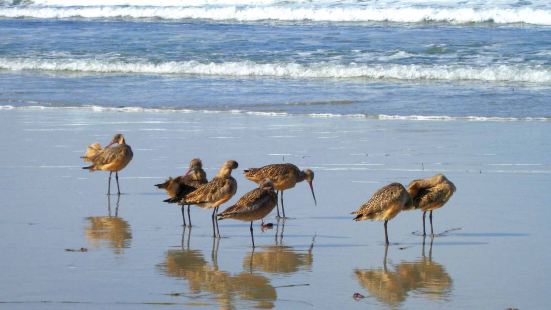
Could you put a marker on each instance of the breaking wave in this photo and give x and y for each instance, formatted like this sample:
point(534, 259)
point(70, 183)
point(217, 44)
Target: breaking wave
point(494, 73)
point(258, 10)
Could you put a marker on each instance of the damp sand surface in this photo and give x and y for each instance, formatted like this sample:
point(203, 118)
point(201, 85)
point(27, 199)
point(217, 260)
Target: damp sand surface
point(66, 245)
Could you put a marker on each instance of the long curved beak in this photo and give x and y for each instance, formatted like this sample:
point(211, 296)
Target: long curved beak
point(313, 195)
point(112, 142)
point(187, 172)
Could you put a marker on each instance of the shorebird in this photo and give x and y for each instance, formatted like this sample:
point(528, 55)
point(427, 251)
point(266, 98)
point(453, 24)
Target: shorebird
point(283, 176)
point(112, 159)
point(385, 204)
point(211, 195)
point(429, 194)
point(254, 205)
point(177, 188)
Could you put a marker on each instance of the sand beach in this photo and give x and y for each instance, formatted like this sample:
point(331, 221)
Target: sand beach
point(136, 254)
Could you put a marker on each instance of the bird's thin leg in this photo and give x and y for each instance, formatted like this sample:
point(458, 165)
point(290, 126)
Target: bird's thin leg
point(251, 229)
point(277, 205)
point(216, 221)
point(213, 226)
point(430, 218)
point(117, 178)
point(184, 215)
point(282, 207)
point(424, 213)
point(109, 183)
point(386, 233)
point(189, 215)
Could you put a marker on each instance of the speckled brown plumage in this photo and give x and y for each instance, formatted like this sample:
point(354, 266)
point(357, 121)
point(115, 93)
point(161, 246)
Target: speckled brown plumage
point(213, 194)
point(112, 159)
point(283, 176)
point(178, 187)
point(384, 205)
point(430, 194)
point(254, 205)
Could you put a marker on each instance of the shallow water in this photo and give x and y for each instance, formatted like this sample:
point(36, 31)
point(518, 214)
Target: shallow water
point(139, 256)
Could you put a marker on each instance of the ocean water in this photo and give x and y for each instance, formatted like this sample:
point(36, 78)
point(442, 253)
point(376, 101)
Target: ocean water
point(382, 59)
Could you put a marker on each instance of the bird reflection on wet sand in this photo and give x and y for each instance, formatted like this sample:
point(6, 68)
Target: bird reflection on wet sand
point(228, 290)
point(423, 277)
point(279, 259)
point(110, 229)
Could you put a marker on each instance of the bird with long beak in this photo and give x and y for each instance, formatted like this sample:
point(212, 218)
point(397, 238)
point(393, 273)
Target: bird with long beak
point(112, 159)
point(177, 188)
point(213, 194)
point(283, 176)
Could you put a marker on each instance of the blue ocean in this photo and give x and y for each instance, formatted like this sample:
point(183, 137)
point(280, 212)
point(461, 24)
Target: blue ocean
point(422, 59)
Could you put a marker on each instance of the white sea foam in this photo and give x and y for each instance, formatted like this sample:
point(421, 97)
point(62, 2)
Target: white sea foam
point(383, 117)
point(401, 13)
point(495, 73)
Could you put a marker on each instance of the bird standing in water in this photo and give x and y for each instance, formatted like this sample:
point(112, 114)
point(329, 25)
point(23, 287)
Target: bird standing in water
point(384, 205)
point(213, 194)
point(283, 176)
point(111, 158)
point(178, 187)
point(430, 194)
point(254, 205)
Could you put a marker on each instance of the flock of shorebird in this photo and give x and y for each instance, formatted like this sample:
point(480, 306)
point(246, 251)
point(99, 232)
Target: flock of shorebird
point(193, 188)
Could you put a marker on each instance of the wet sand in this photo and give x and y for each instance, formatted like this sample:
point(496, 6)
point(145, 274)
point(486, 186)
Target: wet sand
point(137, 254)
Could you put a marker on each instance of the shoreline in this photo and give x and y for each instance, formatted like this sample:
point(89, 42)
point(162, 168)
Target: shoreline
point(380, 117)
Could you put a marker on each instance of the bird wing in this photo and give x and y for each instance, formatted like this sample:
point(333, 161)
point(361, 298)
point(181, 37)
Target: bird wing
point(109, 155)
point(252, 201)
point(91, 151)
point(382, 198)
point(275, 172)
point(438, 194)
point(215, 190)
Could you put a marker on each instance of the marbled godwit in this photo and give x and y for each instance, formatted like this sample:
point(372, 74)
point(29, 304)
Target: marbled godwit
point(211, 195)
point(429, 194)
point(254, 205)
point(385, 204)
point(110, 158)
point(177, 188)
point(283, 176)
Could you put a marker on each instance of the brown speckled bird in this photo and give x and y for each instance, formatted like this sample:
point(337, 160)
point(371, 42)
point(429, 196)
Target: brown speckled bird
point(283, 176)
point(211, 195)
point(254, 205)
point(384, 205)
point(112, 159)
point(178, 187)
point(429, 194)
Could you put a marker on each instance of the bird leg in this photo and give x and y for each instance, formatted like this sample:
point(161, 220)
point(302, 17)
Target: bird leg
point(424, 213)
point(430, 218)
point(282, 207)
point(277, 204)
point(216, 221)
point(251, 229)
point(188, 215)
point(117, 178)
point(184, 215)
point(213, 226)
point(109, 183)
point(386, 234)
